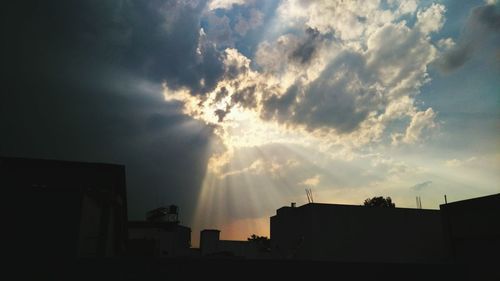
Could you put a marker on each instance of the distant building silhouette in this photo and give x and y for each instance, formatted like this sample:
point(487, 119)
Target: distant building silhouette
point(212, 246)
point(64, 209)
point(160, 234)
point(357, 233)
point(170, 214)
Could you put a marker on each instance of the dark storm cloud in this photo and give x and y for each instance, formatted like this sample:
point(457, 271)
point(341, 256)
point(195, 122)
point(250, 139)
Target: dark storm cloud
point(307, 47)
point(221, 93)
point(456, 57)
point(482, 25)
point(334, 102)
point(164, 44)
point(221, 113)
point(218, 29)
point(336, 99)
point(281, 107)
point(158, 40)
point(489, 16)
point(84, 84)
point(245, 97)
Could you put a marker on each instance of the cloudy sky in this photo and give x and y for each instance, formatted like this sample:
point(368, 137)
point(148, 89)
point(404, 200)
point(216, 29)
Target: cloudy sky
point(231, 108)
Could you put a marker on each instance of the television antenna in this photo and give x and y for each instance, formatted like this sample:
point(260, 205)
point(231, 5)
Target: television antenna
point(309, 195)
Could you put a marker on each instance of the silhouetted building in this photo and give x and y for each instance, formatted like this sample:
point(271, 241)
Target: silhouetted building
point(357, 233)
point(160, 235)
point(170, 214)
point(472, 234)
point(64, 209)
point(211, 245)
point(156, 238)
point(209, 240)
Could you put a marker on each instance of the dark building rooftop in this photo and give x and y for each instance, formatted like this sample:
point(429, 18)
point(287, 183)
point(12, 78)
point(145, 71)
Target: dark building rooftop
point(325, 206)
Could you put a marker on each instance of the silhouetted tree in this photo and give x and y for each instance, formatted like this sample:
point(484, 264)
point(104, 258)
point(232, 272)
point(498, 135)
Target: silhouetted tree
point(379, 201)
point(264, 243)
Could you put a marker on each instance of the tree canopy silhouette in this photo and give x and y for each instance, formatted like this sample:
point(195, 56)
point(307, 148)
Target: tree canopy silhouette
point(379, 201)
point(264, 243)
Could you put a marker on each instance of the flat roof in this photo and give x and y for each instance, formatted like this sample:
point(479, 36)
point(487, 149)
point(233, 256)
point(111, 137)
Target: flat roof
point(472, 201)
point(328, 205)
point(53, 162)
point(213, 230)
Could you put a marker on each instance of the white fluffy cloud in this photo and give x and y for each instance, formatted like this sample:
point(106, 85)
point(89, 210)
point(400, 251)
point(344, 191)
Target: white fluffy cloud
point(420, 123)
point(224, 4)
point(431, 19)
point(348, 71)
point(356, 76)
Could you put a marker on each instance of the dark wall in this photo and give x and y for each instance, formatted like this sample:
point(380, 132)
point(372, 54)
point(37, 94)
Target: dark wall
point(356, 233)
point(472, 234)
point(472, 228)
point(46, 206)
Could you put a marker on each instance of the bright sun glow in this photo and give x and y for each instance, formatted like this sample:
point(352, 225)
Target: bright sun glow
point(239, 129)
point(244, 177)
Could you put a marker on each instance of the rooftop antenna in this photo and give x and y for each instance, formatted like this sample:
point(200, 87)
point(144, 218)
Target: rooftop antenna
point(419, 202)
point(445, 200)
point(309, 195)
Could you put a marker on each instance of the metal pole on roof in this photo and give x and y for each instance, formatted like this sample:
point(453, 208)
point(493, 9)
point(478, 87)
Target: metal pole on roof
point(419, 202)
point(309, 195)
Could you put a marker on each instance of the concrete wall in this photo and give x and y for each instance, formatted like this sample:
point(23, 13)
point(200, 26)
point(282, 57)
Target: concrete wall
point(357, 233)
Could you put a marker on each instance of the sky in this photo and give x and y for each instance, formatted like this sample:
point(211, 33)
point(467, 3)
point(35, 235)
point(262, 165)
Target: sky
point(230, 109)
